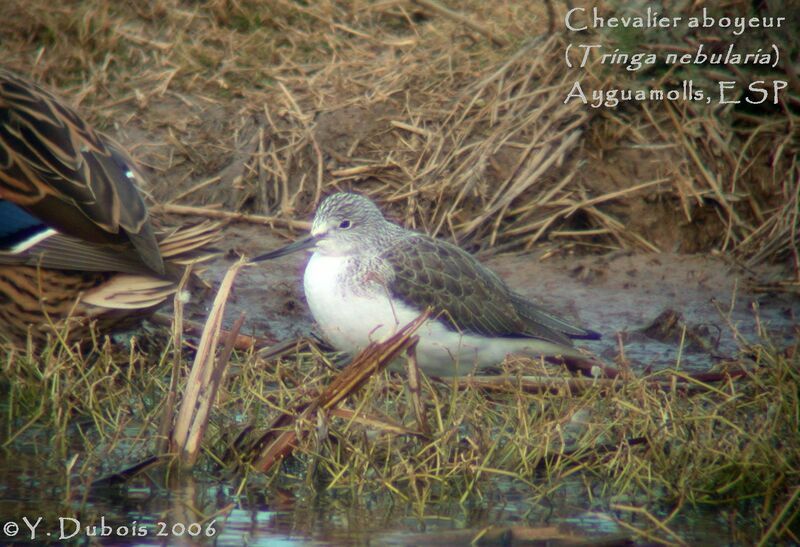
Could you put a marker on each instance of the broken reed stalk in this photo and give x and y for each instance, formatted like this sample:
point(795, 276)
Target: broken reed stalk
point(204, 378)
point(590, 366)
point(281, 438)
point(162, 442)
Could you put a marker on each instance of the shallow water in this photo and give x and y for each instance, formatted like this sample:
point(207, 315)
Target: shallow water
point(190, 512)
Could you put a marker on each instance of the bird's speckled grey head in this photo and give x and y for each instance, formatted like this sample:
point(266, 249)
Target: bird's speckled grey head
point(345, 225)
point(348, 224)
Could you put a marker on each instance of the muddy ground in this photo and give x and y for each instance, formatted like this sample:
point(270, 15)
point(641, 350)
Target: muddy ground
point(638, 302)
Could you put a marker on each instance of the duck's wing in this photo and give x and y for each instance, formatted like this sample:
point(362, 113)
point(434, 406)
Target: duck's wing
point(26, 240)
point(54, 165)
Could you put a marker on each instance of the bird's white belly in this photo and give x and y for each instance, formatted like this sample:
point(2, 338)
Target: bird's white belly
point(351, 319)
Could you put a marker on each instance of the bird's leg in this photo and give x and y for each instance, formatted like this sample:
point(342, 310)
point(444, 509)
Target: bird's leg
point(414, 388)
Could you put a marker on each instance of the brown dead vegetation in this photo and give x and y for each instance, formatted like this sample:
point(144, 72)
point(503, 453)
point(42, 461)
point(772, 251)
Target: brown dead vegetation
point(264, 108)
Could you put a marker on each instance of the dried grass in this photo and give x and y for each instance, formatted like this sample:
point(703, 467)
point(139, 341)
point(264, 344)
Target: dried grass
point(645, 447)
point(272, 107)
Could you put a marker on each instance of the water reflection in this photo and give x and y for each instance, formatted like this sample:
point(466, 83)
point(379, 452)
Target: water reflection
point(187, 512)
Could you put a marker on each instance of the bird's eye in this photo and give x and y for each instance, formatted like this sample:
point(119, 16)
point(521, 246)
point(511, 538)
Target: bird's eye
point(344, 225)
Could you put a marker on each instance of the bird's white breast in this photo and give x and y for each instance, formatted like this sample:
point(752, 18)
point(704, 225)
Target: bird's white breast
point(352, 316)
point(349, 318)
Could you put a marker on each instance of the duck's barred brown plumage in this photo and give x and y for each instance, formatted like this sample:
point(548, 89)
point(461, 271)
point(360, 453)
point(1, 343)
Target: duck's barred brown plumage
point(57, 167)
point(77, 243)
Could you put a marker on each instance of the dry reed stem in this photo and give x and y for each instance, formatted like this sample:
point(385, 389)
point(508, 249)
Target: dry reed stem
point(280, 440)
point(689, 382)
point(413, 376)
point(675, 538)
point(204, 377)
point(177, 323)
point(435, 6)
point(241, 341)
point(785, 517)
point(230, 215)
point(378, 423)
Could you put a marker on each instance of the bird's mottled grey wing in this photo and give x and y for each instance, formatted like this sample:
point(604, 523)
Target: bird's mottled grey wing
point(537, 316)
point(469, 296)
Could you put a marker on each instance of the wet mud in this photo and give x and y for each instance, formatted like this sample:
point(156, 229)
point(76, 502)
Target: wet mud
point(652, 310)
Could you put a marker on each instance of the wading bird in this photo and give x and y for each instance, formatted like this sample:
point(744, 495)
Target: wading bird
point(368, 277)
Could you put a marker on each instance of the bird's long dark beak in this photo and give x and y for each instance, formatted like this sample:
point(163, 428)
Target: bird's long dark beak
point(299, 245)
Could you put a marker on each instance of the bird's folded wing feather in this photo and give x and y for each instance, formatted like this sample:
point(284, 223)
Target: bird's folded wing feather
point(469, 296)
point(181, 246)
point(130, 292)
point(56, 166)
point(63, 252)
point(536, 315)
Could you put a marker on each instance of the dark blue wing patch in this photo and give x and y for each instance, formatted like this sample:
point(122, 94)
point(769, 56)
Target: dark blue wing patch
point(17, 225)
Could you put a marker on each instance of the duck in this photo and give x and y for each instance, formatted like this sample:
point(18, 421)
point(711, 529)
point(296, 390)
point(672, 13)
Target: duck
point(79, 249)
